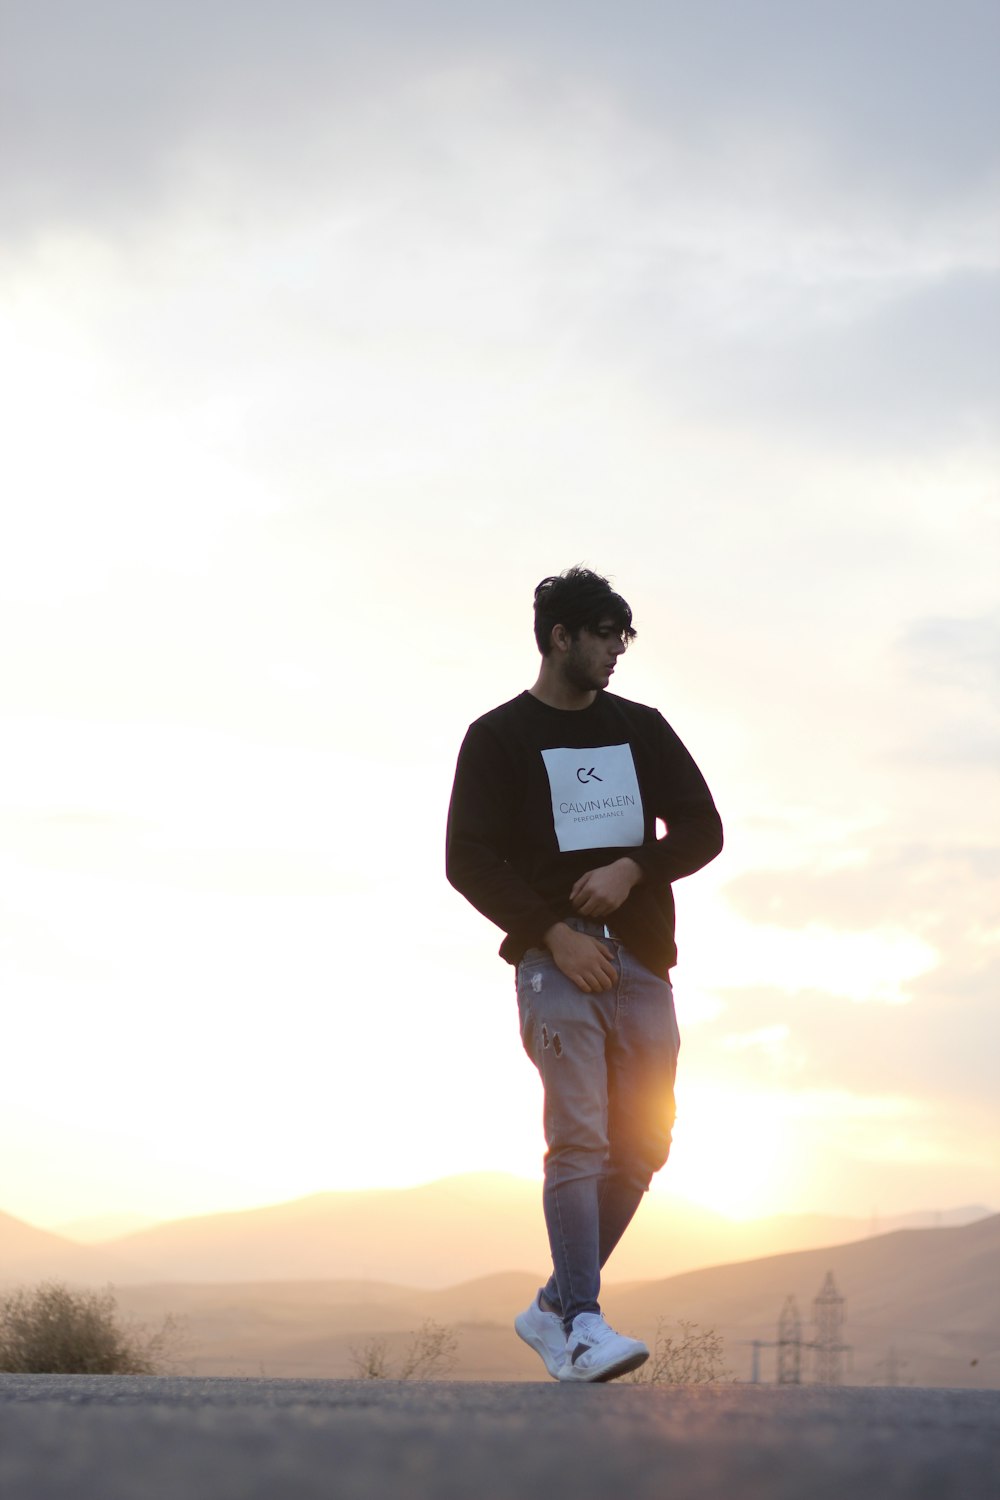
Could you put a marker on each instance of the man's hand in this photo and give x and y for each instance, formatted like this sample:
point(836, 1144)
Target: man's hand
point(581, 958)
point(600, 892)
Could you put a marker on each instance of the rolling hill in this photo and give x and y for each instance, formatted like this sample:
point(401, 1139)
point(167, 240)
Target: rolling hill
point(932, 1296)
point(442, 1233)
point(29, 1255)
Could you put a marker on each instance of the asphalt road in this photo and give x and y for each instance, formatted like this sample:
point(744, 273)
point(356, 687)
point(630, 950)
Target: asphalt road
point(115, 1438)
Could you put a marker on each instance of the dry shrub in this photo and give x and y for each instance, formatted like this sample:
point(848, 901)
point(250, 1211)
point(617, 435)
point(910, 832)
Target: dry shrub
point(52, 1329)
point(694, 1358)
point(430, 1354)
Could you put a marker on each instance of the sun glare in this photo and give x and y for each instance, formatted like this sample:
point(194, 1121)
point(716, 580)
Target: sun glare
point(729, 1154)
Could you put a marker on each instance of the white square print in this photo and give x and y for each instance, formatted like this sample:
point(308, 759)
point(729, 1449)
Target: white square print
point(595, 798)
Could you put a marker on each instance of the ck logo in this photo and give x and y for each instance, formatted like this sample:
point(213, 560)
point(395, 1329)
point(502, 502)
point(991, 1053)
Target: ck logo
point(584, 776)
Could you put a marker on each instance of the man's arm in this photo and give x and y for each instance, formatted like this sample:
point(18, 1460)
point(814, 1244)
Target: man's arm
point(477, 842)
point(693, 838)
point(600, 892)
point(684, 802)
point(582, 958)
point(479, 821)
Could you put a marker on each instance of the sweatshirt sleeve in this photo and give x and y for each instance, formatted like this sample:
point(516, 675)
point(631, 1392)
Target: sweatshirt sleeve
point(683, 801)
point(480, 821)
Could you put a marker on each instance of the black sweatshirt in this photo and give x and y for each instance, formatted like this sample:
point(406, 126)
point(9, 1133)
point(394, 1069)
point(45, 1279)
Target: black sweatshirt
point(542, 795)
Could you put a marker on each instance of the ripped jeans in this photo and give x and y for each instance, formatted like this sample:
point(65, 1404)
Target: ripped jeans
point(607, 1064)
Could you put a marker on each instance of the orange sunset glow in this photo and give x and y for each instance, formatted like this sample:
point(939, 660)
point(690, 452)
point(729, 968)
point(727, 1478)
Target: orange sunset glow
point(315, 356)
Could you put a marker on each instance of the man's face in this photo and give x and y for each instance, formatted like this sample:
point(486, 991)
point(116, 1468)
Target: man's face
point(591, 658)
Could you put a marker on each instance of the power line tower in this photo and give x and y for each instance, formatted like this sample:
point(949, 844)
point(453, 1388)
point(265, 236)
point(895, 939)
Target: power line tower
point(790, 1344)
point(829, 1318)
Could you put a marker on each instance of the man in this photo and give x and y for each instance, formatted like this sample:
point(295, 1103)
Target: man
point(552, 834)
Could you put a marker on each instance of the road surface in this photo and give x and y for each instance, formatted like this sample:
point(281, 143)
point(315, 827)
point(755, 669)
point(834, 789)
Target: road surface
point(138, 1438)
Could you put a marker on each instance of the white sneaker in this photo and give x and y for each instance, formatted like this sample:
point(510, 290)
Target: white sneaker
point(545, 1333)
point(595, 1352)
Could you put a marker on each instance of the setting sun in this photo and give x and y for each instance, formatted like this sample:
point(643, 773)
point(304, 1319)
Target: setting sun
point(730, 1151)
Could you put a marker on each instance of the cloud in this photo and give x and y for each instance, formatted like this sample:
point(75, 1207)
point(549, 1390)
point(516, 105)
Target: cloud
point(103, 101)
point(938, 1051)
point(749, 215)
point(861, 82)
point(953, 661)
point(923, 887)
point(956, 651)
point(938, 1048)
point(913, 365)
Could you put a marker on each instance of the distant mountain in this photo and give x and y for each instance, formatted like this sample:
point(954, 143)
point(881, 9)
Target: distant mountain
point(925, 1302)
point(449, 1231)
point(29, 1255)
point(921, 1306)
point(435, 1235)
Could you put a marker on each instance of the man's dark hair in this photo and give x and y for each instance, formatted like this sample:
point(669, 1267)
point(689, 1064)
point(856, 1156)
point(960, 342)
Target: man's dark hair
point(580, 600)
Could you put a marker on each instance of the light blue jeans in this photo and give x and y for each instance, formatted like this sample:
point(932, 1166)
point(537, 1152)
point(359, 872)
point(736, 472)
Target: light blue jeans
point(608, 1064)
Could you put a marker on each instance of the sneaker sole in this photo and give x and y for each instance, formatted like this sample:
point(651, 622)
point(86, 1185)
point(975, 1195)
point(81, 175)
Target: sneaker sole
point(611, 1372)
point(527, 1337)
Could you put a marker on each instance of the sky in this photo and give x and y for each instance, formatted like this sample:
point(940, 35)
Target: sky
point(326, 331)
